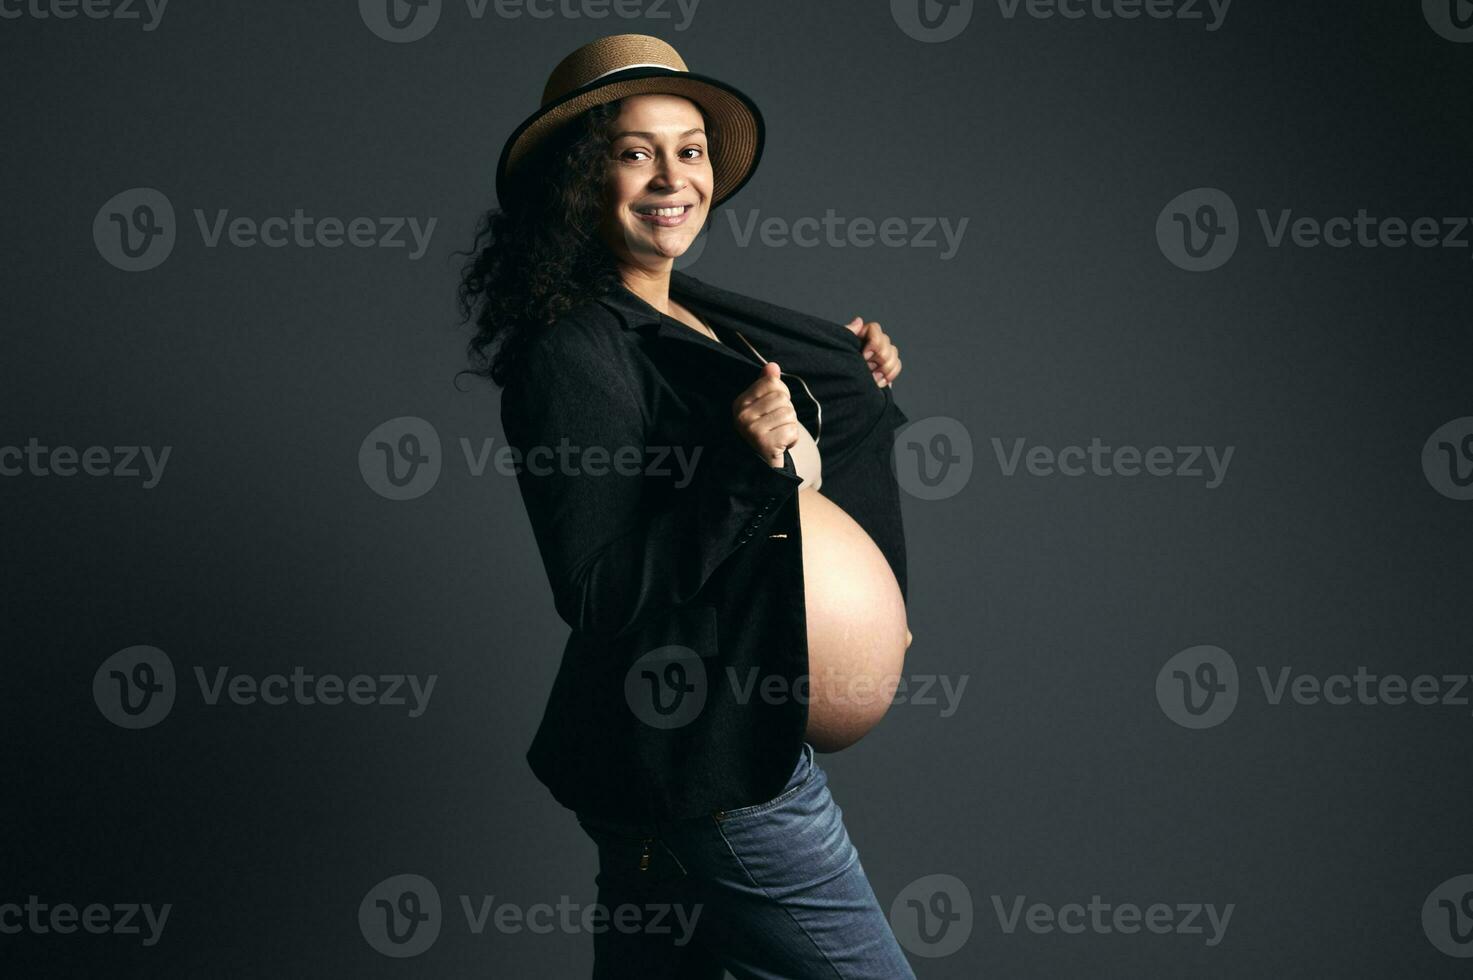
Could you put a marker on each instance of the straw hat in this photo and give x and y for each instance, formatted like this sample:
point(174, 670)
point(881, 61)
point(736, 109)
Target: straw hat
point(637, 64)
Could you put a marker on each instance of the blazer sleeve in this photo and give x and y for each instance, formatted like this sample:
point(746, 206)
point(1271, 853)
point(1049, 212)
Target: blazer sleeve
point(612, 560)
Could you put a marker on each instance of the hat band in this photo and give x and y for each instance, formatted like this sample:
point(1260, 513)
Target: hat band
point(642, 64)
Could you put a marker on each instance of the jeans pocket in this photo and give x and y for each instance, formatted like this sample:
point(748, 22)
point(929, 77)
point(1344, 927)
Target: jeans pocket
point(802, 777)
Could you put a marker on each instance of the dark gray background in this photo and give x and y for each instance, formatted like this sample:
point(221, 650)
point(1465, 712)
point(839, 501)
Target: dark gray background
point(1059, 320)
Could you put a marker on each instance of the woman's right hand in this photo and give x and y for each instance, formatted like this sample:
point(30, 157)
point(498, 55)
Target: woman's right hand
point(764, 416)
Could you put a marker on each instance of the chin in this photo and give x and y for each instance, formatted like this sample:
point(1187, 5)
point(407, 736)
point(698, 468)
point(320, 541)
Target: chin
point(668, 249)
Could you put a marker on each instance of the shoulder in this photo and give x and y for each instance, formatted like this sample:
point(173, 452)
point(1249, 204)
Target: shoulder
point(584, 351)
point(586, 332)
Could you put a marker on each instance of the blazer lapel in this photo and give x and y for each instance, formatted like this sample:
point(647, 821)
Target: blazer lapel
point(760, 316)
point(682, 344)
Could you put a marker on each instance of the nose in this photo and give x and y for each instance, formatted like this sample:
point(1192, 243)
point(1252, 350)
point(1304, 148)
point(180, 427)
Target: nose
point(666, 175)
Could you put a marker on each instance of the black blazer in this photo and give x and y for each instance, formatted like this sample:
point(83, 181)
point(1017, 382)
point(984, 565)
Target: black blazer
point(673, 549)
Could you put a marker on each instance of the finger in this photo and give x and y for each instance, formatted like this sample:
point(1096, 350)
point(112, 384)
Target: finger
point(877, 352)
point(781, 437)
point(760, 389)
point(768, 379)
point(767, 389)
point(877, 340)
point(885, 371)
point(855, 325)
point(779, 418)
point(768, 403)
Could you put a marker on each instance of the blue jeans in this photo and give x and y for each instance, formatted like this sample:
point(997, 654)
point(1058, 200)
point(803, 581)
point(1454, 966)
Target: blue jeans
point(773, 891)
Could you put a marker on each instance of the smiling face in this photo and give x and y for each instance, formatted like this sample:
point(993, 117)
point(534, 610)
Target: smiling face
point(659, 181)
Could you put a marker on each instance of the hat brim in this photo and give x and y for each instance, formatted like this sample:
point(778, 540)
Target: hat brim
point(736, 135)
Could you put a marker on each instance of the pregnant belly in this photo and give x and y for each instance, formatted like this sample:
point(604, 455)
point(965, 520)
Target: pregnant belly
point(856, 625)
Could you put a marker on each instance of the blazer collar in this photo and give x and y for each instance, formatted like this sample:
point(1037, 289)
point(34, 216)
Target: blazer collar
point(636, 314)
point(759, 318)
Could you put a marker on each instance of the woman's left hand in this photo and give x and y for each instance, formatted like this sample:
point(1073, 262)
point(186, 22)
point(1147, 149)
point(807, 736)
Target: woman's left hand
point(882, 355)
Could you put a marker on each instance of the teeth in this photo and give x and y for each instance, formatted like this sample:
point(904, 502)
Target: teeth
point(665, 212)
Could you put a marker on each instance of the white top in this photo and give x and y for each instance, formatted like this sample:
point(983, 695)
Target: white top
point(806, 459)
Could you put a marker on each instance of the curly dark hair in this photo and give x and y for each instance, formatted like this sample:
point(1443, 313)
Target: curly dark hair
point(540, 254)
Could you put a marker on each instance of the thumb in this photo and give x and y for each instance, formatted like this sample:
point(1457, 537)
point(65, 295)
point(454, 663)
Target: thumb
point(771, 370)
point(856, 325)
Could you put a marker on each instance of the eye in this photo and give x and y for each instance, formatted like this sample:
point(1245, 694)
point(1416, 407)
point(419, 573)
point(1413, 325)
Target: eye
point(629, 154)
point(695, 151)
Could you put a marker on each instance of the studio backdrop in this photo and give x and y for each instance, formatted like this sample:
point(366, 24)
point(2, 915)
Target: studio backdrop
point(1182, 289)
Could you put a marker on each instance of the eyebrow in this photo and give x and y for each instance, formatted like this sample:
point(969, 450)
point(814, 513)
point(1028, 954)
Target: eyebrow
point(651, 136)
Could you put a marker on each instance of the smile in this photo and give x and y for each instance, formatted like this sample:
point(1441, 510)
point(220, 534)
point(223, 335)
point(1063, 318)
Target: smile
point(669, 212)
point(665, 217)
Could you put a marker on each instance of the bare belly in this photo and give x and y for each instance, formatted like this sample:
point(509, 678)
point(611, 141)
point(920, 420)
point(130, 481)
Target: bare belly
point(857, 632)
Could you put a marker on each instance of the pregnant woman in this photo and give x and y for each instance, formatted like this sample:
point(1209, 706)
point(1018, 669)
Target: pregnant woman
point(708, 481)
